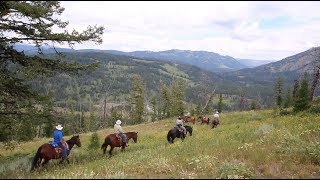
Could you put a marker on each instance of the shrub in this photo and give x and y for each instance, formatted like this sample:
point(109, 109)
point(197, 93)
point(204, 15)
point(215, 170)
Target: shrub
point(94, 141)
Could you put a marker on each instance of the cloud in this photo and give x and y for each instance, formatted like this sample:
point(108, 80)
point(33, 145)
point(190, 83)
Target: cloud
point(257, 30)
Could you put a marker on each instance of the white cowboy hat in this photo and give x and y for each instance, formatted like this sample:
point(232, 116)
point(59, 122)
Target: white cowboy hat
point(118, 122)
point(217, 112)
point(59, 127)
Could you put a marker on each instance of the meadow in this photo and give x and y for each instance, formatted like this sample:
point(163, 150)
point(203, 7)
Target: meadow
point(249, 144)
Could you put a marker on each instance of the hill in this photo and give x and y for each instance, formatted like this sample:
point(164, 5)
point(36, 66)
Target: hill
point(210, 61)
point(255, 144)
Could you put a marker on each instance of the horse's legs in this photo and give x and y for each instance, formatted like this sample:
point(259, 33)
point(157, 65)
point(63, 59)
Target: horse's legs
point(45, 163)
point(110, 151)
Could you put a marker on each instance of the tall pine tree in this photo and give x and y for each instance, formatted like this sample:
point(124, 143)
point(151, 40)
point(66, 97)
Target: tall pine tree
point(302, 99)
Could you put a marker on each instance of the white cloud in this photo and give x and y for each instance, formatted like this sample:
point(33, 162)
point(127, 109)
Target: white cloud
point(228, 28)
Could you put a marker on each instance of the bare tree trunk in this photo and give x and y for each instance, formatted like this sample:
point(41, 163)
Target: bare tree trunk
point(208, 100)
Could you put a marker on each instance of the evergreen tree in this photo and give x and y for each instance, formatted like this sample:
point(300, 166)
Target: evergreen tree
point(253, 105)
point(198, 109)
point(302, 100)
point(177, 97)
point(220, 104)
point(288, 99)
point(154, 106)
point(137, 99)
point(34, 22)
point(278, 92)
point(164, 101)
point(94, 141)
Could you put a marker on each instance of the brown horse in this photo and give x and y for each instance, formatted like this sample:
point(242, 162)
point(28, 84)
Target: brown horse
point(113, 141)
point(204, 119)
point(48, 152)
point(215, 123)
point(189, 119)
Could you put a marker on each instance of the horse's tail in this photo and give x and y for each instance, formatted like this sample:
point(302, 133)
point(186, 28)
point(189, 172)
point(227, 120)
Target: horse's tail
point(169, 138)
point(36, 159)
point(104, 147)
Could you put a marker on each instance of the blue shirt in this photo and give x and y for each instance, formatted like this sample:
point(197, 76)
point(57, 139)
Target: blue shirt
point(57, 136)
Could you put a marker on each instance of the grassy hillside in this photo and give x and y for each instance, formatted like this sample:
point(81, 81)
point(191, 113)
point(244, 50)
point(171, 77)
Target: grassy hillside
point(255, 144)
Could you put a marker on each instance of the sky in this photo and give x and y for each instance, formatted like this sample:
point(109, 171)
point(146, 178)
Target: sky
point(266, 30)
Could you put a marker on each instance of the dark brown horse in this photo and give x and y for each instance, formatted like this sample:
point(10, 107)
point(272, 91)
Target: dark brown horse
point(113, 141)
point(204, 119)
point(215, 123)
point(48, 152)
point(175, 133)
point(189, 119)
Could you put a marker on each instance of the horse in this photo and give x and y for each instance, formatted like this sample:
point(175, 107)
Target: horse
point(48, 152)
point(204, 119)
point(175, 133)
point(189, 119)
point(113, 141)
point(215, 123)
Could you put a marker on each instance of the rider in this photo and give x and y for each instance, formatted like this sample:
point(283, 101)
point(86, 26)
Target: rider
point(179, 125)
point(119, 131)
point(216, 116)
point(58, 138)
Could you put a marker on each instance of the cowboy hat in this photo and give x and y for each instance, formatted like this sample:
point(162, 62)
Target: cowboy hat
point(59, 127)
point(118, 122)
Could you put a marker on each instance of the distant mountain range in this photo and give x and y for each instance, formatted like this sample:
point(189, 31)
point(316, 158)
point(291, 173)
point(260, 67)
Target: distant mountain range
point(225, 72)
point(210, 61)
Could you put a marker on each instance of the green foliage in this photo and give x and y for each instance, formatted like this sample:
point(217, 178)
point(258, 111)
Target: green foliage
point(176, 97)
point(115, 115)
point(235, 171)
point(302, 99)
point(94, 141)
point(278, 92)
point(137, 99)
point(288, 99)
point(33, 21)
point(220, 104)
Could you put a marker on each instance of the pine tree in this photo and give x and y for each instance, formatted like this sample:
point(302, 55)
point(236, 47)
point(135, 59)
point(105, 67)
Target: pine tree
point(164, 101)
point(177, 97)
point(154, 106)
point(220, 103)
point(33, 22)
point(302, 100)
point(288, 99)
point(137, 99)
point(278, 92)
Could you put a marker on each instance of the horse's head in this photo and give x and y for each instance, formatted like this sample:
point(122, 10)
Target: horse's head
point(76, 140)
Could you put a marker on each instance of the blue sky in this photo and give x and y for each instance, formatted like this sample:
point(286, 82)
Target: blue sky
point(266, 30)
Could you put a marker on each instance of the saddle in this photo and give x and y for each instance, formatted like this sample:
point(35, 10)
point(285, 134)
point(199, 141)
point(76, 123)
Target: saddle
point(119, 138)
point(179, 129)
point(57, 148)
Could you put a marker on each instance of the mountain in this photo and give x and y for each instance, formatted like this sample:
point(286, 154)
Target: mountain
point(31, 50)
point(289, 68)
point(210, 61)
point(250, 63)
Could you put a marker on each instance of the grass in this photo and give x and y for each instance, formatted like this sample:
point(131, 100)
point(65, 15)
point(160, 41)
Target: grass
point(253, 144)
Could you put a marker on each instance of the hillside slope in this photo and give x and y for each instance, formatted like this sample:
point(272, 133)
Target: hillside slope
point(245, 145)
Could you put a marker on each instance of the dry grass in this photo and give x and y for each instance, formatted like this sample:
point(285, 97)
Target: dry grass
point(245, 145)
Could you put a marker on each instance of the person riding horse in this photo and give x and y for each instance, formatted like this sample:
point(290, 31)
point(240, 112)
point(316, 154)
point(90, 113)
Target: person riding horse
point(179, 125)
point(58, 139)
point(120, 133)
